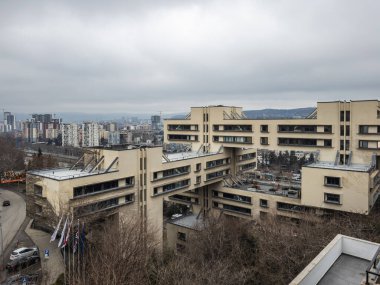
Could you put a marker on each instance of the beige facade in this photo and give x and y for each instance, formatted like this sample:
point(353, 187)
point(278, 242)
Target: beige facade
point(344, 135)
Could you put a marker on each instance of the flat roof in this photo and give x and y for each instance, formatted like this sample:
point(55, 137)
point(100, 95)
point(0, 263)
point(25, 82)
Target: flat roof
point(343, 261)
point(65, 173)
point(331, 165)
point(347, 269)
point(189, 221)
point(185, 155)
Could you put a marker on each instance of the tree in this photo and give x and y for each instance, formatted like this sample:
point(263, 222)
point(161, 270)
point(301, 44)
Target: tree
point(11, 158)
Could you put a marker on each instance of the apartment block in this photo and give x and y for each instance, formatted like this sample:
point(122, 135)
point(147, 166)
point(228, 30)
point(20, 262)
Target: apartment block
point(215, 175)
point(70, 135)
point(90, 134)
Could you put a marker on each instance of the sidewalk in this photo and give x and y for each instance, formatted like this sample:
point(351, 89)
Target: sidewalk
point(53, 266)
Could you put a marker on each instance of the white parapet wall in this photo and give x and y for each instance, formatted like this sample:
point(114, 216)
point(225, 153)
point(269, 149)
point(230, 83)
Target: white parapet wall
point(341, 244)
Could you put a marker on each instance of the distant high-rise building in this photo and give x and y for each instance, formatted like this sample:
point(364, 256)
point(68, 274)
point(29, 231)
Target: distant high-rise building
point(90, 134)
point(9, 124)
point(70, 135)
point(113, 138)
point(156, 122)
point(43, 118)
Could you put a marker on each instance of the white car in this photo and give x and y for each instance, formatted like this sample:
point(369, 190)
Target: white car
point(23, 252)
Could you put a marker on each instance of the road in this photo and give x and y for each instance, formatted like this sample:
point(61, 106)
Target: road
point(12, 216)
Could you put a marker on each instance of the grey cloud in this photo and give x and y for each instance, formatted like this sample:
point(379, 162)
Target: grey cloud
point(145, 56)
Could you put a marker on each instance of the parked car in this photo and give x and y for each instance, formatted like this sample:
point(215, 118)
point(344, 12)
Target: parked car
point(24, 252)
point(6, 203)
point(22, 262)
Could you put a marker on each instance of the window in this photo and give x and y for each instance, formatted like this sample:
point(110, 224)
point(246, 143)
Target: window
point(198, 180)
point(183, 137)
point(363, 144)
point(218, 162)
point(332, 181)
point(347, 130)
point(290, 207)
point(37, 190)
point(264, 140)
point(198, 167)
point(130, 181)
point(129, 198)
point(327, 129)
point(332, 198)
point(299, 142)
point(264, 128)
point(341, 131)
point(348, 115)
point(263, 203)
point(364, 129)
point(327, 143)
point(248, 166)
point(94, 188)
point(181, 236)
point(239, 198)
point(215, 204)
point(176, 185)
point(240, 210)
point(342, 116)
point(217, 174)
point(95, 207)
point(248, 156)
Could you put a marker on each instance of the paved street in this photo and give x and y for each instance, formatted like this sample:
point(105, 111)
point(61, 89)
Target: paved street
point(12, 216)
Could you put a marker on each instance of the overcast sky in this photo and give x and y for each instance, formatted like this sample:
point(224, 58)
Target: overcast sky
point(149, 56)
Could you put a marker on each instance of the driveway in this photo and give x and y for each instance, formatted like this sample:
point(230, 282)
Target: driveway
point(12, 216)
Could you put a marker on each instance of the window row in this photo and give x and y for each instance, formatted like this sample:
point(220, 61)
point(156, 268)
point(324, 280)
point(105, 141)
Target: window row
point(231, 139)
point(182, 127)
point(171, 172)
point(303, 142)
point(217, 174)
point(218, 162)
point(233, 128)
point(103, 205)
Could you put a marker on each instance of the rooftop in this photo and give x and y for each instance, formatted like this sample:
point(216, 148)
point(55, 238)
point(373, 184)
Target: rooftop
point(331, 165)
point(291, 190)
point(343, 261)
point(184, 155)
point(64, 173)
point(189, 221)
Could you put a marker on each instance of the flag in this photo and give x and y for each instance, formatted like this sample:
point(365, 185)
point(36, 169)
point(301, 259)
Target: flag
point(82, 240)
point(54, 235)
point(62, 233)
point(76, 239)
point(67, 235)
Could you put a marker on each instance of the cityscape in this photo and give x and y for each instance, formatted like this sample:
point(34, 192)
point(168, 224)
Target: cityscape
point(185, 143)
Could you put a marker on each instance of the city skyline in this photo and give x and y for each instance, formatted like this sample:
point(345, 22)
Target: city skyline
point(98, 57)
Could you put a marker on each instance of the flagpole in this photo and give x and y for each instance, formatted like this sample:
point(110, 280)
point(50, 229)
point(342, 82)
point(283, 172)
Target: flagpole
point(64, 261)
point(77, 251)
point(66, 240)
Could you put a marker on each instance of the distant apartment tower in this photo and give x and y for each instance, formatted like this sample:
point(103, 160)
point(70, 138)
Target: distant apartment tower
point(113, 138)
point(30, 131)
point(43, 118)
point(9, 122)
point(70, 135)
point(156, 122)
point(90, 134)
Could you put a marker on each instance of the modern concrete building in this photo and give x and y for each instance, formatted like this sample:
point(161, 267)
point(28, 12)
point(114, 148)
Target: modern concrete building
point(214, 175)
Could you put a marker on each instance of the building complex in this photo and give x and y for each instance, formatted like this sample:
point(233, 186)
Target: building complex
point(213, 177)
